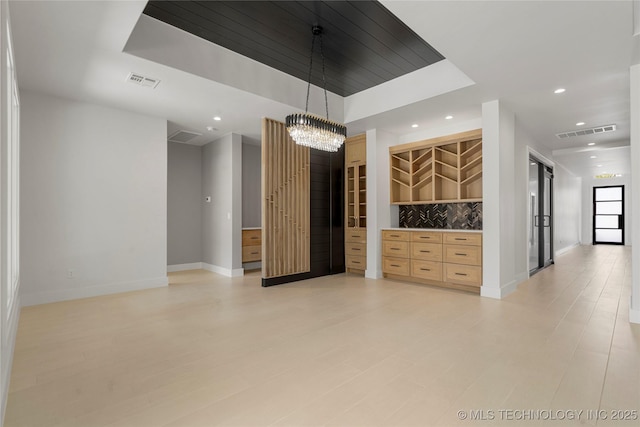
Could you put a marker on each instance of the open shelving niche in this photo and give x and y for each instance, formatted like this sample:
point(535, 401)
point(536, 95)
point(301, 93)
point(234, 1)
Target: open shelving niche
point(445, 169)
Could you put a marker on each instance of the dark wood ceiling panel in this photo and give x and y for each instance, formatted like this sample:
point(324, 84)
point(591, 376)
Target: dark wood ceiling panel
point(364, 44)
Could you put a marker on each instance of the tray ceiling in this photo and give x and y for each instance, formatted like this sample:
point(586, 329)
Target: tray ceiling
point(364, 44)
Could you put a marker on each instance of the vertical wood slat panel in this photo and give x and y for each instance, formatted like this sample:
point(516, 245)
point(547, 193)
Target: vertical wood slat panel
point(285, 203)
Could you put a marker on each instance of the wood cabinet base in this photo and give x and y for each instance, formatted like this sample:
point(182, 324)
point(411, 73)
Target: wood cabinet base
point(459, 287)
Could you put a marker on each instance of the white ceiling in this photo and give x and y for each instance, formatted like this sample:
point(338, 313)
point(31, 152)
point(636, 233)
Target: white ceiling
point(515, 51)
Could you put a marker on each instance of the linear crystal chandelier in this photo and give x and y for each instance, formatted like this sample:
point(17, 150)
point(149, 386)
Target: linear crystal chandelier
point(314, 131)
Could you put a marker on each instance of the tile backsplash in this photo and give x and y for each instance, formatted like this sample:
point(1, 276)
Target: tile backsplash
point(449, 216)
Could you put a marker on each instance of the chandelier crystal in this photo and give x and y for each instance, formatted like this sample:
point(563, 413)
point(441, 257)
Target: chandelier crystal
point(314, 131)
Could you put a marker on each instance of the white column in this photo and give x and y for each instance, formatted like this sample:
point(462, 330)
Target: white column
point(498, 201)
point(634, 304)
point(380, 213)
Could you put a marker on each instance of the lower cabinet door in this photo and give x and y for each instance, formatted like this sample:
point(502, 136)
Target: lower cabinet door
point(356, 262)
point(251, 253)
point(429, 270)
point(398, 266)
point(463, 274)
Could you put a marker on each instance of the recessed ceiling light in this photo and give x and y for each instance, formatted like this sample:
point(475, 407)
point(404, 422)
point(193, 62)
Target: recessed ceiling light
point(618, 175)
point(599, 166)
point(591, 143)
point(449, 117)
point(217, 118)
point(559, 90)
point(579, 123)
point(211, 128)
point(593, 157)
point(414, 125)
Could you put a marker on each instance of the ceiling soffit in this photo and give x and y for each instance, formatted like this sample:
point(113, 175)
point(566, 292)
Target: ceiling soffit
point(364, 44)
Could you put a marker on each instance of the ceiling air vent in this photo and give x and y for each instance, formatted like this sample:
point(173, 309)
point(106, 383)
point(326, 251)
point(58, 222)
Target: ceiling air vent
point(142, 80)
point(183, 136)
point(590, 131)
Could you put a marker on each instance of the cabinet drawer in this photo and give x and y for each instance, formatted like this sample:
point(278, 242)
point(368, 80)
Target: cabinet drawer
point(396, 235)
point(251, 237)
point(356, 235)
point(468, 255)
point(426, 251)
point(355, 249)
point(356, 262)
point(397, 266)
point(426, 236)
point(473, 239)
point(463, 274)
point(251, 253)
point(397, 249)
point(426, 270)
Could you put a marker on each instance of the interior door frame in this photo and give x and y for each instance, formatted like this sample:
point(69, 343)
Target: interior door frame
point(593, 216)
point(544, 167)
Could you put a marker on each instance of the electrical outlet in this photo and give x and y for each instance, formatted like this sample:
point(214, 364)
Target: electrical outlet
point(70, 274)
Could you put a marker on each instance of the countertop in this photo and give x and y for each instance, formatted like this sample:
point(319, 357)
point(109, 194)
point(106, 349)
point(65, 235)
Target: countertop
point(433, 229)
point(251, 228)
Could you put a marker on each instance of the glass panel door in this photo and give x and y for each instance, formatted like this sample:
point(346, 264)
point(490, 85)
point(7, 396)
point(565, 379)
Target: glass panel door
point(540, 215)
point(608, 215)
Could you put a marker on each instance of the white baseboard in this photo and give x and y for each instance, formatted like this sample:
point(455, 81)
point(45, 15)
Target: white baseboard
point(184, 267)
point(236, 272)
point(7, 356)
point(373, 274)
point(567, 249)
point(92, 291)
point(504, 290)
point(634, 315)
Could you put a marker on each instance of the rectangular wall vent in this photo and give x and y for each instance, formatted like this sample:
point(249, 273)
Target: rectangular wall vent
point(183, 136)
point(590, 131)
point(142, 80)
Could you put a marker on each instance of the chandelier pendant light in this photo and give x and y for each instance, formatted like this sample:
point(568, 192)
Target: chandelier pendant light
point(309, 129)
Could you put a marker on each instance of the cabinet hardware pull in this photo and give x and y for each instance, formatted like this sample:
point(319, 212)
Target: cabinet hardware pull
point(460, 254)
point(425, 252)
point(460, 238)
point(355, 249)
point(394, 235)
point(425, 269)
point(254, 238)
point(356, 262)
point(254, 253)
point(395, 265)
point(461, 274)
point(395, 249)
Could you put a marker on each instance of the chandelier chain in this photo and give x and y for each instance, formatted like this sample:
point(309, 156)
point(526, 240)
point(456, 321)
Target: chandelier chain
point(324, 79)
point(313, 42)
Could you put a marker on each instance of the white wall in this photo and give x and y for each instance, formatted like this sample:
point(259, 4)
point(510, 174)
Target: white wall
point(222, 218)
point(10, 282)
point(500, 235)
point(634, 92)
point(251, 185)
point(380, 213)
point(184, 205)
point(567, 209)
point(587, 206)
point(94, 200)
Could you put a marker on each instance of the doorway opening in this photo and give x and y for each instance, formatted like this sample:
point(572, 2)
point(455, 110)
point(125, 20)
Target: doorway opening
point(540, 215)
point(608, 215)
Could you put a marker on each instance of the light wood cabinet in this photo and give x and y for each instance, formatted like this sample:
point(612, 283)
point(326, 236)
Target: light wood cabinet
point(463, 258)
point(252, 245)
point(441, 258)
point(356, 203)
point(445, 169)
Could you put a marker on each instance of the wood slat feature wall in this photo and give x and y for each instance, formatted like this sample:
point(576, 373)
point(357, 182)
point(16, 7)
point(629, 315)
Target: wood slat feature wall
point(285, 205)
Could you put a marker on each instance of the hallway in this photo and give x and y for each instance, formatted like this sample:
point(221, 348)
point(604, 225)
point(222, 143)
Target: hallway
point(336, 350)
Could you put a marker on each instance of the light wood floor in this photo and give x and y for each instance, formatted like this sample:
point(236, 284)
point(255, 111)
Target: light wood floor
point(337, 350)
